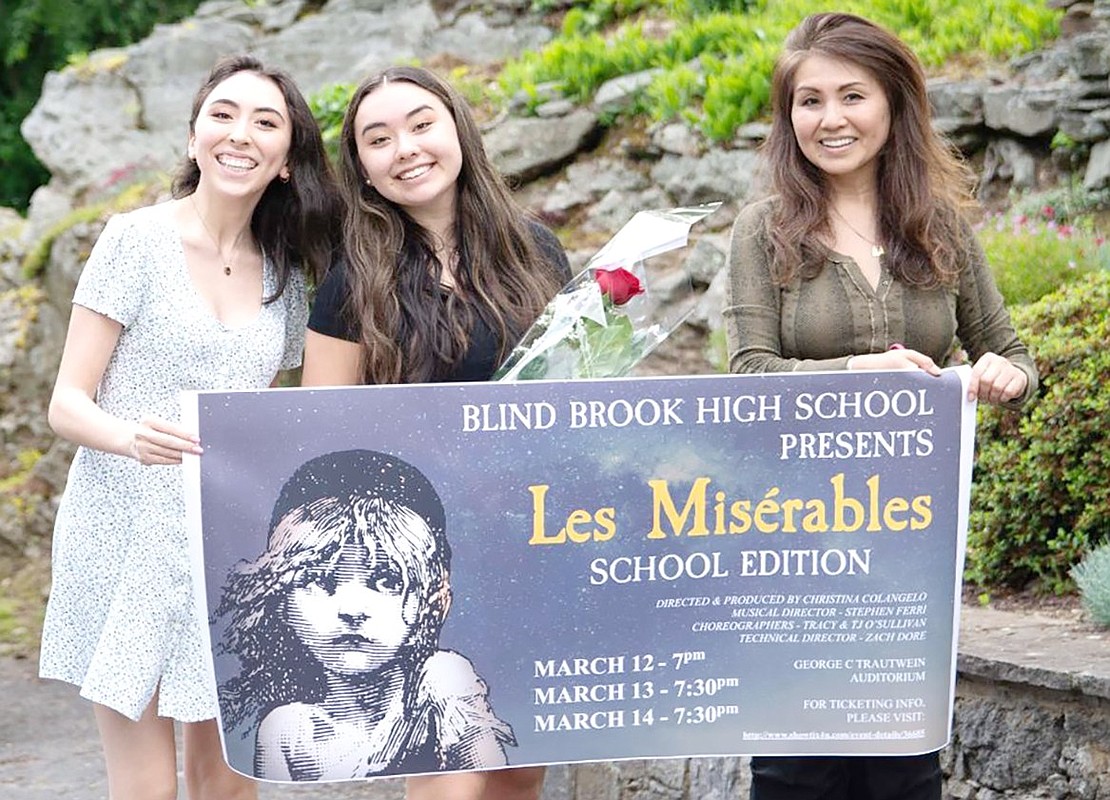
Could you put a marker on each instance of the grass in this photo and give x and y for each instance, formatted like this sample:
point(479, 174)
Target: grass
point(714, 57)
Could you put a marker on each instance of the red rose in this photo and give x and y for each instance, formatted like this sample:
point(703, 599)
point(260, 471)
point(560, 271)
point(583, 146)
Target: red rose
point(620, 284)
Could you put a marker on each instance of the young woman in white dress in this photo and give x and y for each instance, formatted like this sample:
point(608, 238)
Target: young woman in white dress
point(203, 291)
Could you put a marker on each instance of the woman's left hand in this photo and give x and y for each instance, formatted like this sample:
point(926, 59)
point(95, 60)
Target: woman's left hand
point(994, 379)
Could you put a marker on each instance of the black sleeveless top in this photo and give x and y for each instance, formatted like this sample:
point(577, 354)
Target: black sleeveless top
point(481, 358)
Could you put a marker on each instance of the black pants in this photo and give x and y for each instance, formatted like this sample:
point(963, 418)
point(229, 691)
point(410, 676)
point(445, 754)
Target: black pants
point(846, 778)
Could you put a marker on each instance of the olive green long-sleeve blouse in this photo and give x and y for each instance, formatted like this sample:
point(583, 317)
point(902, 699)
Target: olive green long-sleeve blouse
point(818, 324)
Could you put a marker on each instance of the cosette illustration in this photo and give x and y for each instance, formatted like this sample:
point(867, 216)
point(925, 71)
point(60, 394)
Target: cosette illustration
point(336, 629)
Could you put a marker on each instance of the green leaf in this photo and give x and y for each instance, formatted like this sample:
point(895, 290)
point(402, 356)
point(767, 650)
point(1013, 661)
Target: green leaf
point(607, 351)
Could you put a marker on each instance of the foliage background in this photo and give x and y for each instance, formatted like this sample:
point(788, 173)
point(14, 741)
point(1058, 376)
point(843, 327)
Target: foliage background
point(1040, 498)
point(711, 62)
point(37, 36)
point(712, 59)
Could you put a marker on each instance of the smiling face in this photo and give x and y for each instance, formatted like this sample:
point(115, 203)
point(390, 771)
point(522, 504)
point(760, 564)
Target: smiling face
point(841, 118)
point(408, 146)
point(349, 614)
point(242, 134)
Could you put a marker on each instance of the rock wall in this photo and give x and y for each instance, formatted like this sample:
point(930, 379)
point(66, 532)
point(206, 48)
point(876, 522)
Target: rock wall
point(1018, 740)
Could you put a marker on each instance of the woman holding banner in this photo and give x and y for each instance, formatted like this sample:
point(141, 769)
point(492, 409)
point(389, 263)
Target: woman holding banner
point(203, 291)
point(859, 258)
point(442, 273)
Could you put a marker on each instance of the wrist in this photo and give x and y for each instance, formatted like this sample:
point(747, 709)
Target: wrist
point(130, 444)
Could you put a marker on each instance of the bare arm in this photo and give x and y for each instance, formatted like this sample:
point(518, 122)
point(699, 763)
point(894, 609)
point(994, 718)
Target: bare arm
point(75, 415)
point(329, 361)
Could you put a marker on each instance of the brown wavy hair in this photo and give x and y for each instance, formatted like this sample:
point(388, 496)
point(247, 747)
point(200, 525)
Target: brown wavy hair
point(922, 183)
point(362, 497)
point(407, 332)
point(296, 222)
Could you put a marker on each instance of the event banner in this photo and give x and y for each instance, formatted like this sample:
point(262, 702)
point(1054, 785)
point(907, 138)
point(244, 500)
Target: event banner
point(411, 579)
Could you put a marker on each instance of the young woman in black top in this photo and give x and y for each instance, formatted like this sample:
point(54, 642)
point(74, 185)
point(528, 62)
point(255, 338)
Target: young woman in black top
point(442, 273)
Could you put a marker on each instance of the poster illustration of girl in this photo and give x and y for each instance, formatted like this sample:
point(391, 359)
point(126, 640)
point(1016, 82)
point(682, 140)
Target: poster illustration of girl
point(336, 628)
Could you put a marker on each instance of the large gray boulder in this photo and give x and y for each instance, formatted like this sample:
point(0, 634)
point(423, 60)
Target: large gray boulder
point(127, 109)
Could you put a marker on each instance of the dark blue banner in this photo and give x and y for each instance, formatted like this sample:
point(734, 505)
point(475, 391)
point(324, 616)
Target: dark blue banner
point(407, 579)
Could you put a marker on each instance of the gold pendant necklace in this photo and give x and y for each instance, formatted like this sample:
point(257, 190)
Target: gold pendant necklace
point(215, 243)
point(877, 250)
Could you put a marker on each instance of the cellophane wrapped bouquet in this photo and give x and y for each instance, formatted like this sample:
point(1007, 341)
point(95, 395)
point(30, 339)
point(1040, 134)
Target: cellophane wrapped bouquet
point(603, 323)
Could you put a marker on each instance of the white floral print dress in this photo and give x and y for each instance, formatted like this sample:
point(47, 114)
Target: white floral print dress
point(120, 622)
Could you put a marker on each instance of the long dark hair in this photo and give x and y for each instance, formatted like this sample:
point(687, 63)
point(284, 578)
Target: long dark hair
point(362, 497)
point(922, 184)
point(407, 331)
point(296, 222)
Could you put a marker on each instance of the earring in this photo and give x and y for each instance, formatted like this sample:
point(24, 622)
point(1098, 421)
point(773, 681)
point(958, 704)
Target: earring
point(284, 178)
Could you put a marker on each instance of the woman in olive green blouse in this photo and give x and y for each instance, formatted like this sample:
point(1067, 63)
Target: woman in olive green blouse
point(839, 315)
point(860, 259)
point(861, 245)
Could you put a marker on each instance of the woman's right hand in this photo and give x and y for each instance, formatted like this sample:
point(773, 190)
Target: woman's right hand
point(895, 358)
point(156, 441)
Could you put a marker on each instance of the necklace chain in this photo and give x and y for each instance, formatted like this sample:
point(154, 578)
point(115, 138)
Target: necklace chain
point(227, 262)
point(877, 250)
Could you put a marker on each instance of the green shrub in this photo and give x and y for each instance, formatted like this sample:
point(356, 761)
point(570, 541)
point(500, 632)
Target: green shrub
point(37, 36)
point(736, 42)
point(1067, 153)
point(478, 91)
point(1092, 576)
point(1031, 256)
point(716, 350)
point(328, 106)
point(674, 94)
point(1041, 492)
point(734, 96)
point(591, 13)
point(591, 16)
